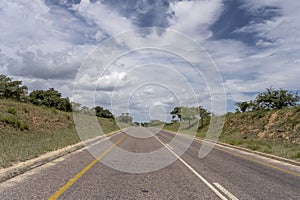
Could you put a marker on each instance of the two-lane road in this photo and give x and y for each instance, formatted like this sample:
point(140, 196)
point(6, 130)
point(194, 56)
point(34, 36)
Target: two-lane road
point(224, 174)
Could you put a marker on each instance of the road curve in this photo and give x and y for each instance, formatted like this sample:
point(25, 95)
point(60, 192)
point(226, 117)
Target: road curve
point(224, 174)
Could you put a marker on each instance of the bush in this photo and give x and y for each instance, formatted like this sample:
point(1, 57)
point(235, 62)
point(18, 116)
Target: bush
point(54, 110)
point(68, 117)
point(12, 111)
point(24, 127)
point(14, 122)
point(11, 121)
point(25, 110)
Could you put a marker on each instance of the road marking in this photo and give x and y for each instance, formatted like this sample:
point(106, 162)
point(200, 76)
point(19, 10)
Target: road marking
point(169, 146)
point(222, 189)
point(220, 195)
point(259, 162)
point(82, 172)
point(221, 148)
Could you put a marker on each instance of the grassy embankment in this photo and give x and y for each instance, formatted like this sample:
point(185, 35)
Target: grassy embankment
point(275, 132)
point(27, 131)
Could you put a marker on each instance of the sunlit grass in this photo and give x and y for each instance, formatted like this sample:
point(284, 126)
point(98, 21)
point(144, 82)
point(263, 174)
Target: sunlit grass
point(281, 135)
point(28, 131)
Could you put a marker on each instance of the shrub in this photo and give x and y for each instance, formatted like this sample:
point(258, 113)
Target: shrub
point(68, 117)
point(12, 111)
point(14, 122)
point(24, 127)
point(11, 121)
point(54, 110)
point(25, 110)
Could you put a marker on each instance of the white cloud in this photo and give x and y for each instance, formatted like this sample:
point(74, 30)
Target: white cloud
point(41, 42)
point(273, 62)
point(46, 65)
point(148, 90)
point(113, 81)
point(195, 17)
point(106, 18)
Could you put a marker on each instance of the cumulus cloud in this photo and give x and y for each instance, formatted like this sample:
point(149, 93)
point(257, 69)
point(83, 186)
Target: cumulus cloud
point(273, 59)
point(50, 39)
point(194, 18)
point(115, 80)
point(143, 13)
point(111, 22)
point(44, 43)
point(47, 66)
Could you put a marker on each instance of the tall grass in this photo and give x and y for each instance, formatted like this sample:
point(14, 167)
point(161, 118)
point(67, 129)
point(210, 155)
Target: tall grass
point(281, 135)
point(31, 131)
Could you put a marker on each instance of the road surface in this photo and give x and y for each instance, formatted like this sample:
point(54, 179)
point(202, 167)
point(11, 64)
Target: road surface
point(225, 173)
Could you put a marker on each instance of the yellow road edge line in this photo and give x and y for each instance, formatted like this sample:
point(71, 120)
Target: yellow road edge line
point(59, 192)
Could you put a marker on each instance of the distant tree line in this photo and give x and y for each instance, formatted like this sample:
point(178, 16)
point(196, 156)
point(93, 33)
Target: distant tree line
point(125, 118)
point(184, 113)
point(10, 89)
point(269, 100)
point(98, 111)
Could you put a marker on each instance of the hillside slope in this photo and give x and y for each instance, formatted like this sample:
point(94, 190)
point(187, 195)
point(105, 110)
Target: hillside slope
point(27, 131)
point(277, 125)
point(276, 132)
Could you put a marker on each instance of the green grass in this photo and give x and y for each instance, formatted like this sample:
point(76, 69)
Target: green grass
point(12, 111)
point(32, 131)
point(277, 148)
point(14, 122)
point(16, 146)
point(282, 136)
point(28, 131)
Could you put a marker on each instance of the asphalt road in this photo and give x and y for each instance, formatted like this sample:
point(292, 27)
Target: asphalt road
point(225, 173)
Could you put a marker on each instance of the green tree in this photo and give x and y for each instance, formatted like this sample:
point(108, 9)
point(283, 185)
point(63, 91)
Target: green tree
point(86, 110)
point(50, 98)
point(125, 118)
point(64, 105)
point(12, 89)
point(270, 99)
point(176, 112)
point(243, 106)
point(101, 112)
point(277, 99)
point(204, 115)
point(75, 106)
point(189, 113)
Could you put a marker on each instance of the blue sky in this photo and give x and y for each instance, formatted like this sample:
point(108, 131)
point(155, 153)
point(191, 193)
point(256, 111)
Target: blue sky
point(254, 43)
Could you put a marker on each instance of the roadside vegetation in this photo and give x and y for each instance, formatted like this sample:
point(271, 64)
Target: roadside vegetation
point(27, 131)
point(275, 132)
point(39, 122)
point(270, 123)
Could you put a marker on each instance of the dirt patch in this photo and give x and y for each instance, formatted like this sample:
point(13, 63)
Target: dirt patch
point(267, 126)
